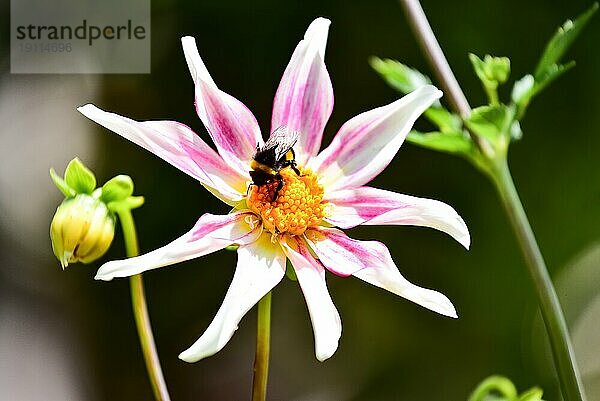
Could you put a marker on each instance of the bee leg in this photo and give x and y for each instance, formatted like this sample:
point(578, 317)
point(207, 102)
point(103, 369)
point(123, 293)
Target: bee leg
point(279, 179)
point(295, 168)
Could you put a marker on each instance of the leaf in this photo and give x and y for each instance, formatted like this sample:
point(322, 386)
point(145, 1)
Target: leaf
point(551, 73)
point(562, 40)
point(449, 142)
point(129, 203)
point(117, 188)
point(79, 177)
point(62, 185)
point(446, 121)
point(528, 87)
point(399, 76)
point(490, 122)
point(533, 394)
point(491, 71)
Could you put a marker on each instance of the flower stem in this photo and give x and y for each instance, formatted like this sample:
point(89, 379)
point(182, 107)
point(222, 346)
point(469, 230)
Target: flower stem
point(558, 333)
point(140, 312)
point(263, 339)
point(554, 320)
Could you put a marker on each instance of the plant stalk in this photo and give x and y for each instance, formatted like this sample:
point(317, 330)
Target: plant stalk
point(261, 360)
point(140, 312)
point(554, 320)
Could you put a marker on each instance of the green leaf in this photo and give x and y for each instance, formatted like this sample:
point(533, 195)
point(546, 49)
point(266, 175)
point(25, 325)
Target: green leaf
point(399, 76)
point(117, 188)
point(550, 74)
point(446, 121)
point(562, 40)
point(130, 203)
point(62, 185)
point(499, 385)
point(528, 87)
point(79, 177)
point(490, 122)
point(533, 394)
point(449, 142)
point(491, 70)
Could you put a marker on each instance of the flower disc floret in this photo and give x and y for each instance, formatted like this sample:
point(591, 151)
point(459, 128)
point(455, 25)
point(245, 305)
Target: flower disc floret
point(298, 206)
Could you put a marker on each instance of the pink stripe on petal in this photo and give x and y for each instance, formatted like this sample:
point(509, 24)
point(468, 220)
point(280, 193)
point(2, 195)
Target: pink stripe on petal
point(230, 124)
point(339, 253)
point(177, 144)
point(372, 206)
point(211, 233)
point(304, 98)
point(379, 269)
point(260, 267)
point(326, 322)
point(367, 143)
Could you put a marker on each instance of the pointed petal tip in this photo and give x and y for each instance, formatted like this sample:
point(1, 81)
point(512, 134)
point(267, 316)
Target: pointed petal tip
point(188, 356)
point(101, 276)
point(431, 90)
point(444, 307)
point(86, 109)
point(321, 22)
point(323, 357)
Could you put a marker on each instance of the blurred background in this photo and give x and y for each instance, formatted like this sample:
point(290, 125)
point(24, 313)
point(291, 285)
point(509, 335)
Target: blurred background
point(64, 336)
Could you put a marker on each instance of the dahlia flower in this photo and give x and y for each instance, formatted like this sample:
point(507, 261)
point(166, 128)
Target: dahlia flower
point(303, 223)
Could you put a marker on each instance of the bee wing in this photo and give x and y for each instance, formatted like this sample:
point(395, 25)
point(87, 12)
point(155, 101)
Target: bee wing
point(281, 140)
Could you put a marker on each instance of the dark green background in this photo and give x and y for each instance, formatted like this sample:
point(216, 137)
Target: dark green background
point(390, 349)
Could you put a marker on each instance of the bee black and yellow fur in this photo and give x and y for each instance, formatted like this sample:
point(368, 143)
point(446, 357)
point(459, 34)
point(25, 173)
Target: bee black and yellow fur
point(274, 156)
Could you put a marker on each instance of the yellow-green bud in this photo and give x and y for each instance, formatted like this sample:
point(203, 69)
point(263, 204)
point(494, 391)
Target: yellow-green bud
point(82, 230)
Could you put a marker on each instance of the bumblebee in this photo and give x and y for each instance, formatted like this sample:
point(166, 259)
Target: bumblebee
point(274, 156)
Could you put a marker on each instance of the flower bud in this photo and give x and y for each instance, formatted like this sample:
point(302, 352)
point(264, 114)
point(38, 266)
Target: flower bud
point(82, 230)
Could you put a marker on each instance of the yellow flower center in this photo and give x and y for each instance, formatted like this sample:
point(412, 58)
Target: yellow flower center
point(299, 203)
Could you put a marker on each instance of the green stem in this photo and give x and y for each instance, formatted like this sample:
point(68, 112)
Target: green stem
point(556, 325)
point(562, 350)
point(140, 312)
point(263, 339)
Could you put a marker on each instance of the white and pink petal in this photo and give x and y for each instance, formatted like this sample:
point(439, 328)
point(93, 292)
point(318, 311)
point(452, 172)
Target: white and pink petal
point(374, 264)
point(372, 206)
point(304, 98)
point(326, 322)
point(260, 267)
point(231, 125)
point(366, 144)
point(211, 233)
point(178, 145)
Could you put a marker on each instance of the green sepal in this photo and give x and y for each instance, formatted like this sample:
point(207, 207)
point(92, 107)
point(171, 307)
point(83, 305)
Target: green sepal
point(62, 185)
point(399, 76)
point(232, 248)
point(79, 177)
point(491, 71)
point(129, 203)
point(445, 121)
point(117, 189)
point(562, 40)
point(289, 271)
point(500, 385)
point(533, 394)
point(450, 142)
point(490, 122)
